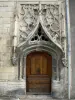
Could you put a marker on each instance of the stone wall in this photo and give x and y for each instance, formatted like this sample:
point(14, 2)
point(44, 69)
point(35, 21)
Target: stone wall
point(12, 88)
point(8, 73)
point(9, 83)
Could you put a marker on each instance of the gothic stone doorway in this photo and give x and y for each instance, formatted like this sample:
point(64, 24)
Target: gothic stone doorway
point(38, 73)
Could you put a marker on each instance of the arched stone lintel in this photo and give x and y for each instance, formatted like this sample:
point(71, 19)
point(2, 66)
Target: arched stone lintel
point(55, 55)
point(49, 50)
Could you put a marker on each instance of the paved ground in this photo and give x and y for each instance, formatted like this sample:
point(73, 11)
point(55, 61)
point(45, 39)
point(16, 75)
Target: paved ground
point(28, 97)
point(31, 97)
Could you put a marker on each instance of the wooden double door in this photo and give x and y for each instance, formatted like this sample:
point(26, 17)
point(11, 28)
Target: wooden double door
point(38, 73)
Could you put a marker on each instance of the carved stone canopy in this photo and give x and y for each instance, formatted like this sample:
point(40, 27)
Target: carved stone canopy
point(48, 15)
point(50, 18)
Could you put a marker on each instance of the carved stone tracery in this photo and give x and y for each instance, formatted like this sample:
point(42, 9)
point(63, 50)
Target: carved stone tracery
point(29, 16)
point(28, 20)
point(39, 36)
point(51, 17)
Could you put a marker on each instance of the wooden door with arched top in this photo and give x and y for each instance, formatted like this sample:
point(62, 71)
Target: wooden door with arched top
point(38, 72)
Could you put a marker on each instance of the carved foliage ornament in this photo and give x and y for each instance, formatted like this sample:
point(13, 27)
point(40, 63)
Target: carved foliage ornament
point(30, 15)
point(49, 16)
point(28, 20)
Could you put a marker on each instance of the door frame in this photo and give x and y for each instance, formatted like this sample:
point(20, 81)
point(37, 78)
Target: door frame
point(49, 50)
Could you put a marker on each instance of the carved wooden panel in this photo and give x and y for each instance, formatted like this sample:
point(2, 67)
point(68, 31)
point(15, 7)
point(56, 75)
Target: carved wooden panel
point(39, 84)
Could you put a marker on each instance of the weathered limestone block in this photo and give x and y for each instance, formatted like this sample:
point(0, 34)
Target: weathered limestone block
point(56, 88)
point(60, 88)
point(7, 4)
point(64, 81)
point(6, 14)
point(12, 88)
point(8, 72)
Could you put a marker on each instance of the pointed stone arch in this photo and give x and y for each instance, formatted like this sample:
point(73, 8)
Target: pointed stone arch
point(40, 45)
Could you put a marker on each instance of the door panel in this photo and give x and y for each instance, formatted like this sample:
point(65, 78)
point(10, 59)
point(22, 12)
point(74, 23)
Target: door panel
point(39, 72)
point(44, 65)
point(33, 67)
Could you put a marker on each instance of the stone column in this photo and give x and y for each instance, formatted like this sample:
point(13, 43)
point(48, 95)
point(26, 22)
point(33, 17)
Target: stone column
point(19, 68)
point(24, 76)
point(23, 67)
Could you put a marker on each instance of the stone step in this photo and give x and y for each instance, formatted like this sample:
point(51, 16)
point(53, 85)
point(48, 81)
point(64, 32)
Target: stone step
point(36, 97)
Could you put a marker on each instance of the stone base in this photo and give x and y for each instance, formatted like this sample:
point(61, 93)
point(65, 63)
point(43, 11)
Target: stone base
point(12, 88)
point(18, 89)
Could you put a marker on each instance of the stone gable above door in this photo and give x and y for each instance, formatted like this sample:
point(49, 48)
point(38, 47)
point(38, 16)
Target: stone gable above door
point(51, 16)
